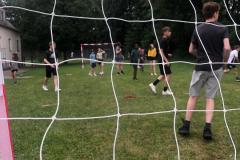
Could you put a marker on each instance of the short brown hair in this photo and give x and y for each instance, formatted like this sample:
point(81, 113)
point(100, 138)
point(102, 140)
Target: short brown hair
point(165, 29)
point(209, 8)
point(236, 46)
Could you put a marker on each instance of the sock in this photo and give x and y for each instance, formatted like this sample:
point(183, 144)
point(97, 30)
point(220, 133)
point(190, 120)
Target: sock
point(207, 125)
point(156, 82)
point(165, 88)
point(186, 123)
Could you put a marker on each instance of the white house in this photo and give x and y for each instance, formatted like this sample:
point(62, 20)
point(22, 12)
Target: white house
point(10, 40)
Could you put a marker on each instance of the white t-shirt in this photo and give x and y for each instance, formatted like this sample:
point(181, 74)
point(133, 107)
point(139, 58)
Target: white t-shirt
point(233, 55)
point(100, 55)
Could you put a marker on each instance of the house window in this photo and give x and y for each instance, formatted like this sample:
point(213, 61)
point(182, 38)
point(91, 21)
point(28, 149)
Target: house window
point(18, 47)
point(9, 44)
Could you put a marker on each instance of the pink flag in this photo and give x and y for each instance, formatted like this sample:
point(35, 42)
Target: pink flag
point(6, 147)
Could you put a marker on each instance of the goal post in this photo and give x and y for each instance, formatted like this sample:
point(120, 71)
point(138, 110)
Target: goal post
point(6, 146)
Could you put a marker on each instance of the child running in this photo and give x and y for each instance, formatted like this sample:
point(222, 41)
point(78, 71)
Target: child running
point(165, 70)
point(92, 58)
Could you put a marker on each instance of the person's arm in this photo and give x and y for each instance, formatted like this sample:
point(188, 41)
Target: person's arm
point(46, 62)
point(163, 56)
point(192, 49)
point(226, 48)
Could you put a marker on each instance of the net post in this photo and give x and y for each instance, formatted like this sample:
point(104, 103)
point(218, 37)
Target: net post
point(82, 56)
point(6, 145)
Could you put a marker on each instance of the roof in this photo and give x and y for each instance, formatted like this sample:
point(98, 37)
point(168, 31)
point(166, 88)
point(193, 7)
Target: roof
point(8, 25)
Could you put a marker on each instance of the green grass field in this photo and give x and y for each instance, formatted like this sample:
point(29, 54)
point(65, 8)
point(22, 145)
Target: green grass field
point(140, 137)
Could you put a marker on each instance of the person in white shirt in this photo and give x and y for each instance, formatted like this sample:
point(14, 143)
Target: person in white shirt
point(99, 57)
point(233, 57)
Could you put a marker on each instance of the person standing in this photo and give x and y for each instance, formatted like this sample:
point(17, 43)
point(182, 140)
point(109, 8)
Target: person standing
point(215, 40)
point(51, 69)
point(119, 58)
point(99, 57)
point(152, 56)
point(134, 58)
point(14, 67)
point(93, 65)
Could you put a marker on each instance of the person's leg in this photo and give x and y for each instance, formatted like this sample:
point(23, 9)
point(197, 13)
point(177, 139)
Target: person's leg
point(151, 64)
point(14, 75)
point(134, 72)
point(191, 104)
point(101, 67)
point(154, 67)
point(185, 129)
point(209, 106)
point(118, 68)
point(55, 82)
point(121, 67)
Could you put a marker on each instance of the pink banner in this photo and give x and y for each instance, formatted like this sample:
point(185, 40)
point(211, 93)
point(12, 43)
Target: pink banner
point(6, 147)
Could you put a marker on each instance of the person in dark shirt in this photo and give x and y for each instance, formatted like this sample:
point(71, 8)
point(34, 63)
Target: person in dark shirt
point(51, 69)
point(134, 57)
point(165, 54)
point(215, 43)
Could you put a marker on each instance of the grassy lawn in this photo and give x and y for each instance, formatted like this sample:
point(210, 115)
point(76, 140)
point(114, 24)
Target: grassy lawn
point(140, 137)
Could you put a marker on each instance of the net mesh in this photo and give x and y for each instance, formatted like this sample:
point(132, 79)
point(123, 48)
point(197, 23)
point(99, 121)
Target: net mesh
point(118, 115)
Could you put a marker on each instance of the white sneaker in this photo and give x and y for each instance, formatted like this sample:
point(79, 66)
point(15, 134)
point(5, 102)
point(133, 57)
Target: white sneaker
point(167, 93)
point(57, 89)
point(44, 87)
point(155, 74)
point(153, 88)
point(94, 74)
point(90, 74)
point(151, 74)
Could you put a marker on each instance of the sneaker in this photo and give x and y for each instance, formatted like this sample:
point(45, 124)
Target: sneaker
point(184, 131)
point(153, 88)
point(90, 74)
point(167, 93)
point(94, 74)
point(226, 70)
point(155, 74)
point(122, 72)
point(57, 89)
point(238, 79)
point(151, 74)
point(207, 134)
point(44, 87)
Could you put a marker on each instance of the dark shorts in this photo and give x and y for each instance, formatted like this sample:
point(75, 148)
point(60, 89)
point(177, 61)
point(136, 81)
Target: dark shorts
point(100, 61)
point(50, 71)
point(151, 58)
point(14, 70)
point(93, 65)
point(119, 58)
point(231, 66)
point(167, 69)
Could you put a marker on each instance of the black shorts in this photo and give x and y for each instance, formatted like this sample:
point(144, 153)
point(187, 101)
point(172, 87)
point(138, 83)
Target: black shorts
point(50, 71)
point(231, 66)
point(167, 69)
point(100, 61)
point(14, 70)
point(93, 65)
point(151, 58)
